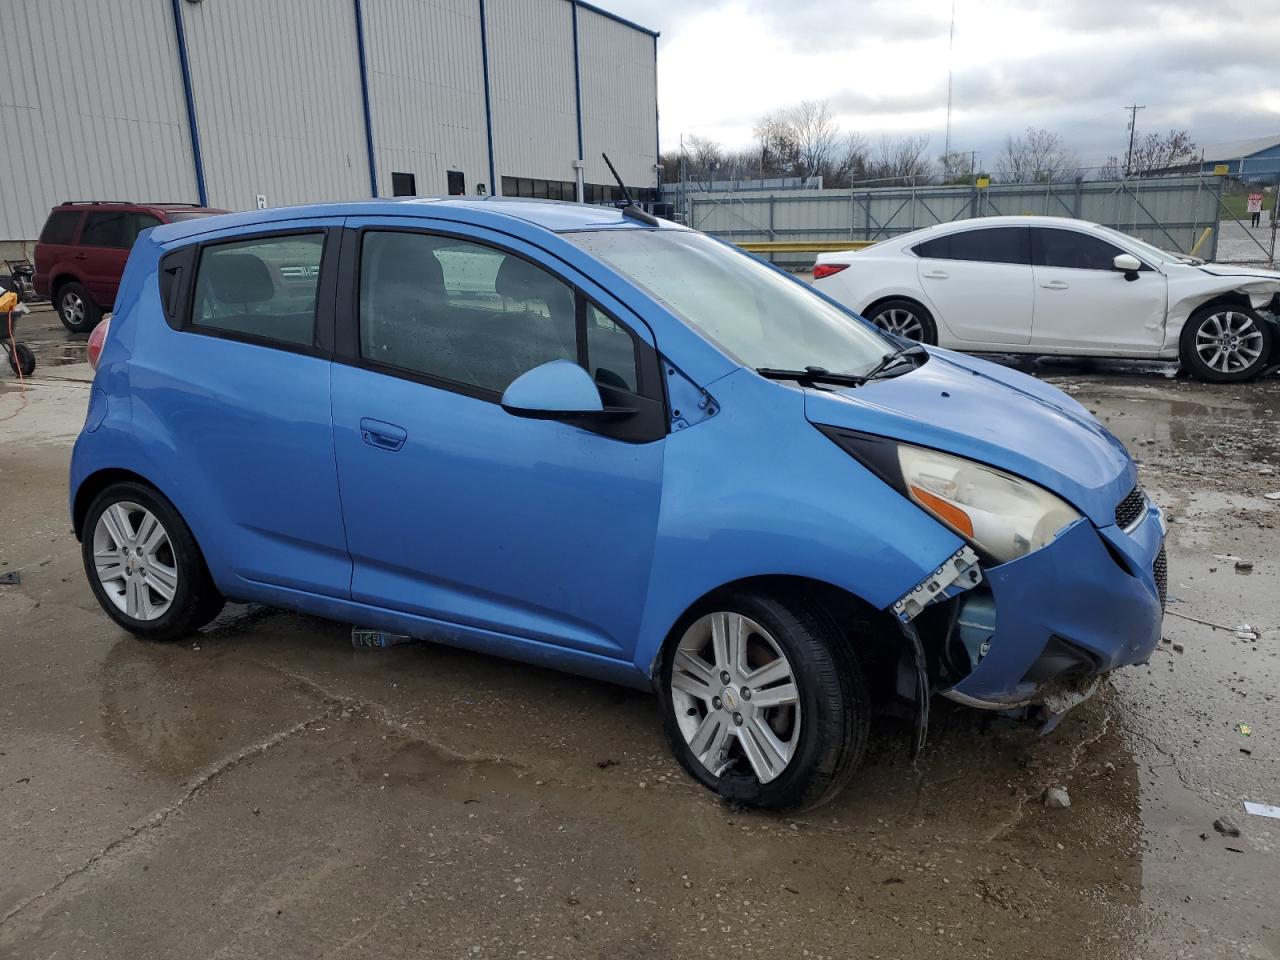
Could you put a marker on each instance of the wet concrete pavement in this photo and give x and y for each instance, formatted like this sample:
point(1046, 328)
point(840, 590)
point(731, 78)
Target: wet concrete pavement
point(265, 790)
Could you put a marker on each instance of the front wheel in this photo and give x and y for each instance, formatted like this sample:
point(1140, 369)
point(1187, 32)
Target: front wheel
point(144, 566)
point(905, 318)
point(1225, 344)
point(764, 702)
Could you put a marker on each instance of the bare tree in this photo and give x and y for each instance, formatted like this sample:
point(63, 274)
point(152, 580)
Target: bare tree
point(956, 167)
point(1111, 169)
point(901, 160)
point(816, 135)
point(1039, 157)
point(1160, 151)
point(704, 156)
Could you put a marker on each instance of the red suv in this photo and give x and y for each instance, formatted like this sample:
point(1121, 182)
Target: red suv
point(82, 249)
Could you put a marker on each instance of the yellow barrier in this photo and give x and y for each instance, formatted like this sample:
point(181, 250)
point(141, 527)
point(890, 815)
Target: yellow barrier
point(804, 246)
point(1204, 237)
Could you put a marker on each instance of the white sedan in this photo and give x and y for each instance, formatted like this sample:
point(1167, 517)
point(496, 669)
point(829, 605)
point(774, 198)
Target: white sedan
point(1049, 285)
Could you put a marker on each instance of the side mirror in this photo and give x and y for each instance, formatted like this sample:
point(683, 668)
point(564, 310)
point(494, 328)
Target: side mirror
point(1127, 264)
point(559, 390)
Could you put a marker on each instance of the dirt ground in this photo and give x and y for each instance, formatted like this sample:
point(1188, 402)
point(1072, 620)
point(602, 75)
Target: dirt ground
point(264, 790)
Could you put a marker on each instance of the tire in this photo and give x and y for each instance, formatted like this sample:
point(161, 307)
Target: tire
point(825, 726)
point(21, 359)
point(905, 318)
point(134, 594)
point(1224, 343)
point(78, 313)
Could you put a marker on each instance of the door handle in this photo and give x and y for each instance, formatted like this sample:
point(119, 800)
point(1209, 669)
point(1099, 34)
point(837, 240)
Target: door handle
point(384, 436)
point(1055, 285)
point(936, 275)
point(80, 256)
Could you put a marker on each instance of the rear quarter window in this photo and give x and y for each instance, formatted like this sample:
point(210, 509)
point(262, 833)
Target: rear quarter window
point(60, 227)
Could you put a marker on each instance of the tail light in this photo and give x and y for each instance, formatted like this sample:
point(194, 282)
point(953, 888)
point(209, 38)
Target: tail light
point(97, 339)
point(821, 270)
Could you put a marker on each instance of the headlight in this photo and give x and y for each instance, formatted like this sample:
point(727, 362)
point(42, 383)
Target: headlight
point(1003, 515)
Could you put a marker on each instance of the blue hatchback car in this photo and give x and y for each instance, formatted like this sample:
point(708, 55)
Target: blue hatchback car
point(577, 437)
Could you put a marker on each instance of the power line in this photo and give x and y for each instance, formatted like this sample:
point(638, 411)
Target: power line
point(1133, 109)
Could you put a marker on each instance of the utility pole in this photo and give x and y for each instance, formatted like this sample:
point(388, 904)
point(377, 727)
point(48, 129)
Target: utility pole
point(951, 43)
point(1133, 123)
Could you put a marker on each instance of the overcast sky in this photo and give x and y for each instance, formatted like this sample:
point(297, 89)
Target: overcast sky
point(1067, 65)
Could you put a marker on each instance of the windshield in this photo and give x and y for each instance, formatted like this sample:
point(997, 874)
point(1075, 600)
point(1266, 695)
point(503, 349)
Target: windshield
point(758, 316)
point(1146, 249)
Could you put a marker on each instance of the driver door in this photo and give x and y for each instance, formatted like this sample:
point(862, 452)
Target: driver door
point(1084, 305)
point(537, 530)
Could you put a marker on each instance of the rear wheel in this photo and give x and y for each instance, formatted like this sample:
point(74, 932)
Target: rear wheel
point(144, 566)
point(764, 703)
point(1225, 344)
point(904, 318)
point(77, 312)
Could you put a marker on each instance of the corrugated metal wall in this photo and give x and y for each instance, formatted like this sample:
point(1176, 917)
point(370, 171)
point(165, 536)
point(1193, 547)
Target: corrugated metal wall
point(535, 127)
point(93, 91)
point(278, 100)
point(426, 91)
point(619, 99)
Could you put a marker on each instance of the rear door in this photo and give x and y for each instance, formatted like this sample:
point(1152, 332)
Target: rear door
point(978, 283)
point(105, 243)
point(238, 391)
point(1085, 305)
point(457, 510)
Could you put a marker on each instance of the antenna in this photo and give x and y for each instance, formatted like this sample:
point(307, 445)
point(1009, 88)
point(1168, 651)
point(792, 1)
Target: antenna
point(632, 209)
point(951, 43)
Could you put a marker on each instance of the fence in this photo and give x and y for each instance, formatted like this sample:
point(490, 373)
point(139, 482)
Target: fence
point(1171, 213)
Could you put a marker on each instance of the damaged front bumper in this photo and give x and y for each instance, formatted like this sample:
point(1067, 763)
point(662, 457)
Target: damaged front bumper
point(1059, 618)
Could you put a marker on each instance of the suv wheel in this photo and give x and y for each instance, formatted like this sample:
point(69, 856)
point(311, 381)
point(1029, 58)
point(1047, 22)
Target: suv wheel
point(77, 312)
point(764, 702)
point(144, 565)
point(1225, 344)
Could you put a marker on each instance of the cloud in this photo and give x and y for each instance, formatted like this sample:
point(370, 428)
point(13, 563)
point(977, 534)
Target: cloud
point(1066, 65)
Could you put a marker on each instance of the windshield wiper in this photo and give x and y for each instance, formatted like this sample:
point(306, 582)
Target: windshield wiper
point(891, 360)
point(812, 375)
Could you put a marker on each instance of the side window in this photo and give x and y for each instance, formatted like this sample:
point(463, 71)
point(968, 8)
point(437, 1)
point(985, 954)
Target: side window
point(1076, 251)
point(611, 352)
point(992, 245)
point(117, 229)
point(460, 311)
point(264, 287)
point(939, 248)
point(60, 227)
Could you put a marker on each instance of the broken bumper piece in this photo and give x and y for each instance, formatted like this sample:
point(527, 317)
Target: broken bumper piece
point(960, 572)
point(1067, 614)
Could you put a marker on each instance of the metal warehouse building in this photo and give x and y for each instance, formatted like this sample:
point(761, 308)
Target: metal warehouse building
point(244, 103)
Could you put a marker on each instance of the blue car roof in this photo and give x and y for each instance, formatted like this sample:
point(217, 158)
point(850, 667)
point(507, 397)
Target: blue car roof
point(552, 215)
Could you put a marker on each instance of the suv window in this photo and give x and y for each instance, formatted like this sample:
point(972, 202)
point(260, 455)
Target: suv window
point(1072, 249)
point(115, 229)
point(60, 227)
point(263, 288)
point(460, 311)
point(988, 245)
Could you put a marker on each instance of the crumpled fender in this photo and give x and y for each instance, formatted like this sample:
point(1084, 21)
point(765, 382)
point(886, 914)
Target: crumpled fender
point(1190, 291)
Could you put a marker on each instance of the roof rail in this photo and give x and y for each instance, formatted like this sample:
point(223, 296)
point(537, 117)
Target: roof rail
point(130, 203)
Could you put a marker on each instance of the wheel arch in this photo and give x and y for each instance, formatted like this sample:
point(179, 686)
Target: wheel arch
point(882, 300)
point(95, 483)
point(880, 641)
point(60, 280)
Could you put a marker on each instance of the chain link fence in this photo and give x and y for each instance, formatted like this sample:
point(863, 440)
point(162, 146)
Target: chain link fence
point(1185, 214)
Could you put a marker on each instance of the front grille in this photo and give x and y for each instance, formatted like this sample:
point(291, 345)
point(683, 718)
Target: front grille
point(1161, 571)
point(1130, 508)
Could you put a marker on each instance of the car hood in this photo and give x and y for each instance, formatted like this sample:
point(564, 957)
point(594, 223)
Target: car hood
point(993, 415)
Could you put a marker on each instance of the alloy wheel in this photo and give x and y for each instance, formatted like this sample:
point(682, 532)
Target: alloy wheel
point(901, 322)
point(1229, 341)
point(72, 309)
point(735, 697)
point(134, 561)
